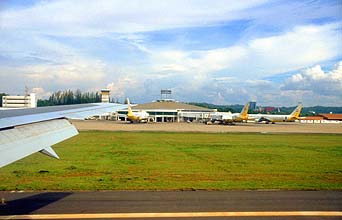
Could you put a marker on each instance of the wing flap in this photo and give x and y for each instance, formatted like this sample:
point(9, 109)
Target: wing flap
point(22, 141)
point(26, 131)
point(49, 152)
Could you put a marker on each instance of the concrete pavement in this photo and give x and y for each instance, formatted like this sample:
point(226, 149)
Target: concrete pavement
point(173, 205)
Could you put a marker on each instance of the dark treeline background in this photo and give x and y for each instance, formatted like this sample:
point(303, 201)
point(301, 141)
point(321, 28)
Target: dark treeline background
point(2, 94)
point(220, 108)
point(69, 97)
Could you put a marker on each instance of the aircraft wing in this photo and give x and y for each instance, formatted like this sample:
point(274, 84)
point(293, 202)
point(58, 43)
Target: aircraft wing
point(265, 118)
point(259, 118)
point(26, 131)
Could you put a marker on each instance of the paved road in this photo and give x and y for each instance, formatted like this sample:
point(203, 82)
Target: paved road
point(173, 203)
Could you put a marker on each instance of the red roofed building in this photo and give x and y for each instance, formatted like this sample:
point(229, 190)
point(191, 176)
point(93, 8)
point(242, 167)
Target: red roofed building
point(337, 117)
point(269, 109)
point(323, 118)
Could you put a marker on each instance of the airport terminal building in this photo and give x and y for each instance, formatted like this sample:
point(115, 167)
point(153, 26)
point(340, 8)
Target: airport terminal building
point(169, 110)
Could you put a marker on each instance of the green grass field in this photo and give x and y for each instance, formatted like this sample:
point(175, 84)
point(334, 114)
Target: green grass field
point(99, 160)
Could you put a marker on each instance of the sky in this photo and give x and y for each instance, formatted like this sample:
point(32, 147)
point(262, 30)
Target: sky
point(276, 53)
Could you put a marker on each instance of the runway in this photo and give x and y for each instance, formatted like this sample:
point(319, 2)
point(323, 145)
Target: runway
point(172, 205)
point(281, 127)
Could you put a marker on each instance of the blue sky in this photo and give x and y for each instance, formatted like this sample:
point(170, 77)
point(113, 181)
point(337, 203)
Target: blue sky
point(224, 52)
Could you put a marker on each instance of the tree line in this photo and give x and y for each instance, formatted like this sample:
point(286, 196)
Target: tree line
point(2, 94)
point(306, 111)
point(69, 97)
point(220, 108)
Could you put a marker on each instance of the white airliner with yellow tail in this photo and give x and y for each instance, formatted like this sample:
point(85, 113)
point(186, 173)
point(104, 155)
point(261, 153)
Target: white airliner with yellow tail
point(136, 116)
point(228, 117)
point(268, 118)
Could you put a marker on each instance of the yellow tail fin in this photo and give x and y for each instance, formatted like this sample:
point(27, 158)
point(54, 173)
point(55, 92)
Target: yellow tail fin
point(129, 107)
point(244, 112)
point(297, 111)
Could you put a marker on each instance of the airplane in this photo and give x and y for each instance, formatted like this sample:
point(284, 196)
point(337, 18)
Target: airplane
point(140, 116)
point(228, 117)
point(27, 131)
point(267, 118)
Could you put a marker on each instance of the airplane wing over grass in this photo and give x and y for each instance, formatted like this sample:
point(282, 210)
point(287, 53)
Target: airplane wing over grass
point(26, 131)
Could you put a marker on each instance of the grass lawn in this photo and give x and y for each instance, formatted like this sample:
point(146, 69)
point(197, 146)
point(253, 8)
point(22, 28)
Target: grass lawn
point(101, 160)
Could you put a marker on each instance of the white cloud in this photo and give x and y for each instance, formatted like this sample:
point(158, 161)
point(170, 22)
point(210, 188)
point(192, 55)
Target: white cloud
point(241, 68)
point(96, 18)
point(80, 17)
point(316, 80)
point(225, 79)
point(315, 84)
point(312, 86)
point(296, 49)
point(76, 72)
point(197, 62)
point(122, 86)
point(40, 92)
point(53, 64)
point(257, 58)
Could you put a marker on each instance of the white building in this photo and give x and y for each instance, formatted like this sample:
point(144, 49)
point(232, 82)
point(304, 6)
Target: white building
point(322, 118)
point(105, 95)
point(27, 101)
